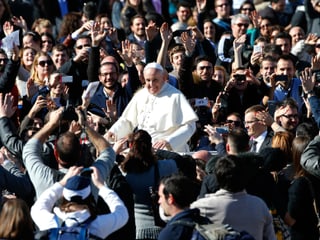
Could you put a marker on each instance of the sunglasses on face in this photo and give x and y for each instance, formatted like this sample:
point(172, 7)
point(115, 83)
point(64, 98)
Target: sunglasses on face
point(236, 123)
point(82, 46)
point(5, 60)
point(242, 25)
point(43, 63)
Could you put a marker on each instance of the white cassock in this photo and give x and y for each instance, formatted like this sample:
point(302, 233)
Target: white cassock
point(165, 116)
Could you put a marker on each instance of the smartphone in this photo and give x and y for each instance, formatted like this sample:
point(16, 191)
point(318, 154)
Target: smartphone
point(201, 102)
point(222, 130)
point(178, 33)
point(282, 78)
point(86, 172)
point(67, 79)
point(257, 48)
point(240, 77)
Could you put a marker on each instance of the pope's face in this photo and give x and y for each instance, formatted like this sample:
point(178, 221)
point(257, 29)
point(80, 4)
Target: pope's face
point(154, 80)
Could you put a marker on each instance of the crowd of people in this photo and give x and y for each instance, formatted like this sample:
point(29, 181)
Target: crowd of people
point(136, 116)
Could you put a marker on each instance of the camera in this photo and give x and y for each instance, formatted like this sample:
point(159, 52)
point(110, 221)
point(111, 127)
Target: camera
point(69, 114)
point(240, 77)
point(282, 78)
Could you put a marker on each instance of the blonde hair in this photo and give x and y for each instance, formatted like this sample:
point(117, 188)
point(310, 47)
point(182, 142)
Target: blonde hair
point(34, 73)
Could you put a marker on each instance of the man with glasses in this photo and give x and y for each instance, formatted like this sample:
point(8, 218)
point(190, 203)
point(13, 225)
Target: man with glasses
point(289, 116)
point(258, 132)
point(110, 99)
point(239, 26)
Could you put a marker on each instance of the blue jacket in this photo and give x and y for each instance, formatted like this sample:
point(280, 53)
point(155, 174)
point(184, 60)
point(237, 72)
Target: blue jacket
point(121, 97)
point(178, 231)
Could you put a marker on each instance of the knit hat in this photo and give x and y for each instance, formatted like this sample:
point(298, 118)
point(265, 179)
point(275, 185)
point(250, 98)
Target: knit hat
point(77, 186)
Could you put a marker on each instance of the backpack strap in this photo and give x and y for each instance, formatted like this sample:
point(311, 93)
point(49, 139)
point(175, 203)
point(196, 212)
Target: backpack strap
point(208, 231)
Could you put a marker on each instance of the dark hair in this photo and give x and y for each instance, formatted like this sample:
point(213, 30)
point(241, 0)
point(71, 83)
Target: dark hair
point(182, 189)
point(307, 129)
point(268, 58)
point(247, 2)
point(69, 149)
point(70, 23)
point(140, 157)
point(109, 63)
point(271, 49)
point(298, 146)
point(35, 36)
point(201, 59)
point(289, 102)
point(231, 173)
point(62, 48)
point(90, 10)
point(238, 139)
point(274, 159)
point(137, 16)
point(49, 35)
point(154, 17)
point(76, 204)
point(283, 35)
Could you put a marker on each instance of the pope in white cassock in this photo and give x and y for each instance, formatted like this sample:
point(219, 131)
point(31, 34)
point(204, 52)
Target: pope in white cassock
point(161, 110)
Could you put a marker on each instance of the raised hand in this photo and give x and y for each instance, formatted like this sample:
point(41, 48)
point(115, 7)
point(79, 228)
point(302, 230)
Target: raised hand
point(6, 105)
point(7, 28)
point(126, 54)
point(308, 80)
point(20, 22)
point(97, 34)
point(151, 31)
point(165, 33)
point(188, 42)
point(201, 5)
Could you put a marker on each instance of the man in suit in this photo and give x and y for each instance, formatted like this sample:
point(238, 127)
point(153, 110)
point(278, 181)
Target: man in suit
point(257, 130)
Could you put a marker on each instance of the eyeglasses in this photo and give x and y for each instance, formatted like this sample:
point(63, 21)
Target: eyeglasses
point(82, 46)
point(246, 25)
point(4, 60)
point(247, 9)
point(293, 116)
point(236, 123)
point(43, 63)
point(223, 4)
point(204, 67)
point(250, 122)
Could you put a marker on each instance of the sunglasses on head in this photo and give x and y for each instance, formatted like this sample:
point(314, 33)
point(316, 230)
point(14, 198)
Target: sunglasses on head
point(43, 63)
